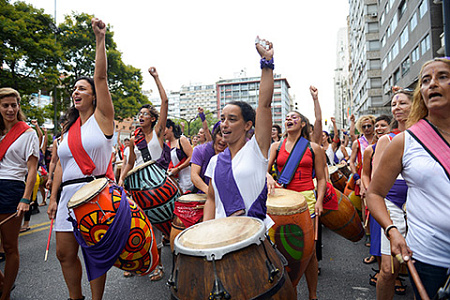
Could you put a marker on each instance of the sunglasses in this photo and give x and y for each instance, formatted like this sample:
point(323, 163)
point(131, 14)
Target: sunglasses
point(366, 126)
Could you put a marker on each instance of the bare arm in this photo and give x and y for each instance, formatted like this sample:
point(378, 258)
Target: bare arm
point(104, 112)
point(334, 144)
point(366, 170)
point(352, 161)
point(381, 146)
point(209, 211)
point(160, 126)
point(57, 179)
point(352, 128)
point(319, 167)
point(263, 119)
point(31, 180)
point(205, 126)
point(197, 180)
point(52, 165)
point(129, 163)
point(188, 150)
point(317, 132)
point(44, 144)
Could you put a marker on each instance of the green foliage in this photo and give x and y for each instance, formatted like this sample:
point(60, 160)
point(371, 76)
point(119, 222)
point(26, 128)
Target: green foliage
point(28, 53)
point(192, 126)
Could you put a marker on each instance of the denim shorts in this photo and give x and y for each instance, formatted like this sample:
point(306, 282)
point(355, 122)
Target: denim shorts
point(432, 278)
point(11, 191)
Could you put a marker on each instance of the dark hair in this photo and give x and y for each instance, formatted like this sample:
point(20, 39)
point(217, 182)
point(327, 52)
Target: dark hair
point(215, 132)
point(72, 113)
point(153, 112)
point(175, 128)
point(278, 128)
point(126, 139)
point(248, 113)
point(383, 118)
point(305, 129)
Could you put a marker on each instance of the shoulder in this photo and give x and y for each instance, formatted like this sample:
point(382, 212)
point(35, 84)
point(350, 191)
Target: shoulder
point(315, 146)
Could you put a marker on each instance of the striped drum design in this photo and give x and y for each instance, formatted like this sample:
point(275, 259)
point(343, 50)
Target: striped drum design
point(154, 192)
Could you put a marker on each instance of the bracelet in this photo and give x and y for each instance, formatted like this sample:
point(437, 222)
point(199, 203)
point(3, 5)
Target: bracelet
point(25, 200)
point(336, 140)
point(267, 63)
point(356, 176)
point(202, 116)
point(386, 230)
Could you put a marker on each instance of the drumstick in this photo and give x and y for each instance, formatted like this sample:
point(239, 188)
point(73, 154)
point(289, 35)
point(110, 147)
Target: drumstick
point(415, 276)
point(8, 218)
point(367, 219)
point(48, 240)
point(316, 228)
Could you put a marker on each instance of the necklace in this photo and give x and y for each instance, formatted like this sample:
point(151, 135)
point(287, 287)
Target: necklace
point(443, 131)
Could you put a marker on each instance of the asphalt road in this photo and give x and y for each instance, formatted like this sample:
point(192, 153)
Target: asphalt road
point(343, 275)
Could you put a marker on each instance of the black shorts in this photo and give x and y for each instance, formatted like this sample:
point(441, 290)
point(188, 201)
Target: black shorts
point(11, 191)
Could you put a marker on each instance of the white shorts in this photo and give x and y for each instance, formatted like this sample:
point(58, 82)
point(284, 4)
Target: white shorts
point(398, 218)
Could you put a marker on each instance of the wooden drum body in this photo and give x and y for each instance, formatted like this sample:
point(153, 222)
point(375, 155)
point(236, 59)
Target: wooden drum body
point(344, 221)
point(154, 192)
point(188, 211)
point(293, 232)
point(344, 169)
point(95, 206)
point(338, 179)
point(228, 257)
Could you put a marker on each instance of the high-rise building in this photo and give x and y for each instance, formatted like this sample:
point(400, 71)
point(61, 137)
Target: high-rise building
point(195, 95)
point(410, 33)
point(174, 102)
point(247, 89)
point(365, 63)
point(342, 83)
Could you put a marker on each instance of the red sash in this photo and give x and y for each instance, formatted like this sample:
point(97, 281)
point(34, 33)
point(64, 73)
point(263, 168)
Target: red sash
point(12, 135)
point(80, 155)
point(433, 142)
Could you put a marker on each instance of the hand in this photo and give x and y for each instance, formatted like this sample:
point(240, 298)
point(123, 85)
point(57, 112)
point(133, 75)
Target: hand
point(396, 88)
point(120, 182)
point(358, 182)
point(318, 208)
point(265, 52)
point(271, 184)
point(153, 72)
point(99, 27)
point(352, 118)
point(174, 171)
point(34, 122)
point(200, 110)
point(333, 120)
point(314, 92)
point(22, 208)
point(399, 246)
point(48, 184)
point(52, 207)
point(182, 125)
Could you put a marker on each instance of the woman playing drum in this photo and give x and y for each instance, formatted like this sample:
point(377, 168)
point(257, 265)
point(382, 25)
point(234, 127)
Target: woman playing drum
point(85, 151)
point(19, 152)
point(421, 155)
point(296, 150)
point(237, 185)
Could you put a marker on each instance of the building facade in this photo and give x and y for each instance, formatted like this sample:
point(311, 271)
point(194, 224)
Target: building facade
point(247, 89)
point(194, 96)
point(342, 83)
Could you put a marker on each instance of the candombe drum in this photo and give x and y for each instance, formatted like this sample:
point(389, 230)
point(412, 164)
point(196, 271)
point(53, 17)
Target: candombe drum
point(293, 231)
point(95, 206)
point(344, 221)
point(228, 258)
point(344, 169)
point(338, 179)
point(188, 211)
point(154, 192)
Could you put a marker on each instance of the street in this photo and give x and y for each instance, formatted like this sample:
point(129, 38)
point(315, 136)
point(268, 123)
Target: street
point(343, 275)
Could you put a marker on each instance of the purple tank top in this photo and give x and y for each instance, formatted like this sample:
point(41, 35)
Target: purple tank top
point(397, 194)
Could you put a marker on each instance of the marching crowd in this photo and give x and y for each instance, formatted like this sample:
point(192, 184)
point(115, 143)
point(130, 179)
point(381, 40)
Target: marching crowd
point(396, 170)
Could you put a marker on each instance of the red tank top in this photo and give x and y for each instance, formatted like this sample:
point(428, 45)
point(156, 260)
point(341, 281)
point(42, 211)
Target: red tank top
point(302, 179)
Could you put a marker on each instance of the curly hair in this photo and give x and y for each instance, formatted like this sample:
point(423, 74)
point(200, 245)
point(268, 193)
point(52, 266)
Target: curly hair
point(418, 107)
point(362, 119)
point(153, 112)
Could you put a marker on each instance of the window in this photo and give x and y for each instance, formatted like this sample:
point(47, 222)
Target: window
point(375, 83)
point(382, 18)
point(384, 64)
point(413, 22)
point(386, 7)
point(383, 41)
point(415, 55)
point(406, 64)
point(374, 64)
point(425, 45)
point(372, 27)
point(395, 50)
point(397, 76)
point(401, 9)
point(423, 8)
point(374, 45)
point(388, 31)
point(404, 37)
point(394, 23)
point(391, 3)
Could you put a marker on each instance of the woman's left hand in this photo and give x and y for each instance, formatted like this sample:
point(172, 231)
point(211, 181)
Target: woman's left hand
point(174, 171)
point(265, 51)
point(318, 208)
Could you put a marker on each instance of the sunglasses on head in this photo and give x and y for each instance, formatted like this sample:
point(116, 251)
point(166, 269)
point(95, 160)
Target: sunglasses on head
point(366, 126)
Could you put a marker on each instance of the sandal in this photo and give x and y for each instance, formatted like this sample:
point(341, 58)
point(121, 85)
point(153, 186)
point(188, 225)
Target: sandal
point(24, 229)
point(400, 289)
point(369, 260)
point(43, 203)
point(127, 274)
point(157, 274)
point(373, 278)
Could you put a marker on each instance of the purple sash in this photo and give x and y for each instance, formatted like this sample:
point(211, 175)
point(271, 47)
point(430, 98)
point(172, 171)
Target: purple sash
point(99, 258)
point(229, 192)
point(432, 141)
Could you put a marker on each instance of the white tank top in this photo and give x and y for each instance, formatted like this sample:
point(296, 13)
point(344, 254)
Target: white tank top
point(153, 147)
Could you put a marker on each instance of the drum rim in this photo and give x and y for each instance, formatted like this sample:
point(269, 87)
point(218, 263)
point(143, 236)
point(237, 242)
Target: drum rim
point(140, 167)
point(218, 252)
point(332, 168)
point(275, 210)
point(198, 200)
point(105, 183)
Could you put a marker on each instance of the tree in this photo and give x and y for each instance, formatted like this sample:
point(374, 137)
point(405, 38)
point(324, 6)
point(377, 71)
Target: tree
point(28, 54)
point(78, 44)
point(193, 125)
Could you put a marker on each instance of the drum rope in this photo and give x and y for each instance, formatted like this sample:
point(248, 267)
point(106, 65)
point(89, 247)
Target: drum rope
point(218, 291)
point(273, 271)
point(173, 280)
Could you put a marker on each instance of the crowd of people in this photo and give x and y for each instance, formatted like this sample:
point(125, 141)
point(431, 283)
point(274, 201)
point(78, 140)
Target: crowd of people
point(399, 167)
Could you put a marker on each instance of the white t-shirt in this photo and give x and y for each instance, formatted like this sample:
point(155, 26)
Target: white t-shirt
point(249, 170)
point(13, 166)
point(153, 147)
point(427, 205)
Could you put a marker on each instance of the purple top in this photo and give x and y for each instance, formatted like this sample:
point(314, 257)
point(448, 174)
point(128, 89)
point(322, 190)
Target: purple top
point(201, 156)
point(397, 194)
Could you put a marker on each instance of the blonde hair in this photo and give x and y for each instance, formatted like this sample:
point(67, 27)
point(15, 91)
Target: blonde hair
point(10, 92)
point(418, 107)
point(362, 119)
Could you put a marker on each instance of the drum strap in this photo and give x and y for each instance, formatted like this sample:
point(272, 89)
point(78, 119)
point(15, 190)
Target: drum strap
point(11, 136)
point(293, 161)
point(81, 180)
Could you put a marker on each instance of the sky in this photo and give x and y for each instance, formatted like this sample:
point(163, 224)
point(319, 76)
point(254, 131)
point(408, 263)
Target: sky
point(199, 41)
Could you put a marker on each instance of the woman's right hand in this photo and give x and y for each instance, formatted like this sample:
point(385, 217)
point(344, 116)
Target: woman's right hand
point(399, 246)
point(153, 72)
point(264, 52)
point(48, 184)
point(98, 26)
point(52, 207)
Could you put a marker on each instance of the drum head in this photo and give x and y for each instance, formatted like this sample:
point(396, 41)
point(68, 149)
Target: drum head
point(87, 192)
point(138, 168)
point(192, 198)
point(332, 169)
point(341, 165)
point(218, 237)
point(286, 202)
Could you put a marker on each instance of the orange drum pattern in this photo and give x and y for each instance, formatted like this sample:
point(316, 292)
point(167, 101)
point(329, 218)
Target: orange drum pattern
point(344, 221)
point(94, 217)
point(293, 230)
